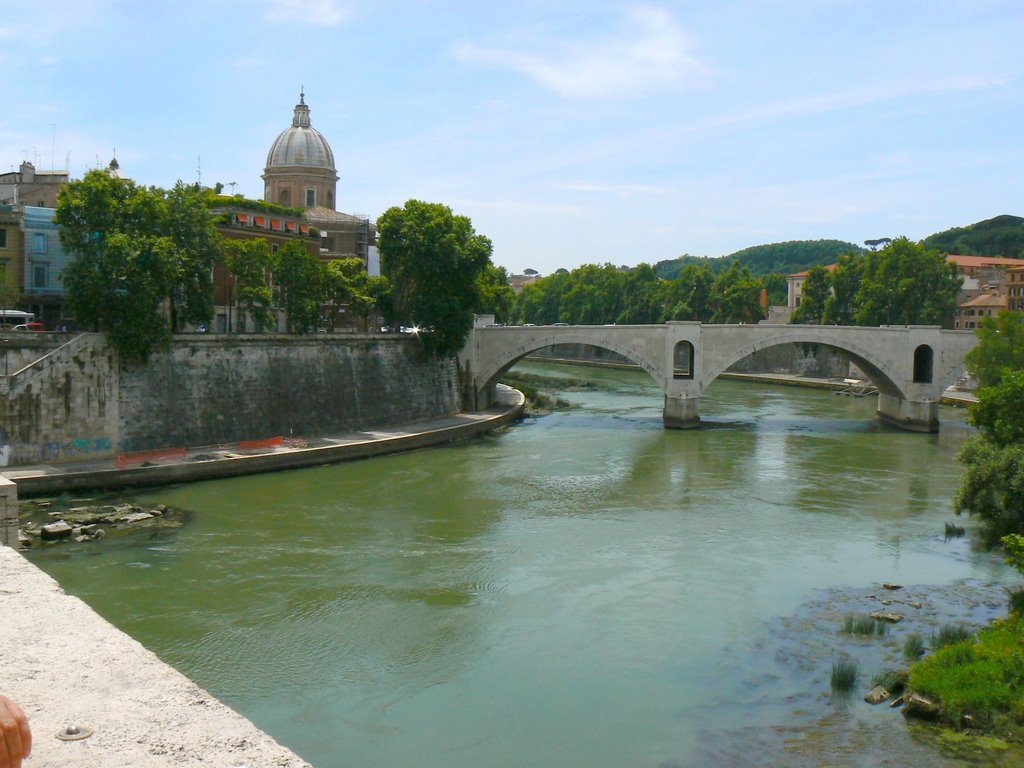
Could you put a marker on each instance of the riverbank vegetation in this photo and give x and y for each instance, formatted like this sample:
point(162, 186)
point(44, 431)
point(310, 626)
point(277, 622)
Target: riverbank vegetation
point(903, 283)
point(538, 391)
point(977, 681)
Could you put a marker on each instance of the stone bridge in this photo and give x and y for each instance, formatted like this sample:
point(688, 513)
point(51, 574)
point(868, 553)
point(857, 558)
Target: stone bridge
point(910, 365)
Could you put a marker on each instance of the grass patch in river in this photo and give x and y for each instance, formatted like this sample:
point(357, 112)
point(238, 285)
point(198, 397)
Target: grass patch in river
point(845, 673)
point(863, 625)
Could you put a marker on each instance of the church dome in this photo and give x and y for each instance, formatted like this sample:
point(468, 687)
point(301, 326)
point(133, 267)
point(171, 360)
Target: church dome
point(301, 145)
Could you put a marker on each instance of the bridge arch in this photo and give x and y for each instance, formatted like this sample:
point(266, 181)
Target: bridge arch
point(508, 358)
point(863, 358)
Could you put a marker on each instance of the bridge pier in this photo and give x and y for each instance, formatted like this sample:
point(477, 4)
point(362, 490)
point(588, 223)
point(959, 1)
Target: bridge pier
point(911, 415)
point(681, 412)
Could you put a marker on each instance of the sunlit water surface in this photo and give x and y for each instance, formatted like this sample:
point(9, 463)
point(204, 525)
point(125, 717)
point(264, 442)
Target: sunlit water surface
point(583, 589)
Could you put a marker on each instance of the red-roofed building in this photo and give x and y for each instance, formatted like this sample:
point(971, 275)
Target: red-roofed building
point(987, 304)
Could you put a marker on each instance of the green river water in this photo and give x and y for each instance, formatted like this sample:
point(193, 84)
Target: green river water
point(582, 589)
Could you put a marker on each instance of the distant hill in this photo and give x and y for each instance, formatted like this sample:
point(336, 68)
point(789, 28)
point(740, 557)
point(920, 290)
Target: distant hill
point(788, 257)
point(999, 236)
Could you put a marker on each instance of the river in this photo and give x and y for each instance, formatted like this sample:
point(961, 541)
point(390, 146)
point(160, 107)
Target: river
point(582, 589)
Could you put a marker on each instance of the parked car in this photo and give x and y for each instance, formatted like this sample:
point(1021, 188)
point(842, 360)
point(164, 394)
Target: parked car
point(33, 326)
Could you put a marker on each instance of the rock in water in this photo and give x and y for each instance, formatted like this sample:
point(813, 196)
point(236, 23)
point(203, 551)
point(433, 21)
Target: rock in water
point(58, 530)
point(877, 695)
point(921, 707)
point(892, 618)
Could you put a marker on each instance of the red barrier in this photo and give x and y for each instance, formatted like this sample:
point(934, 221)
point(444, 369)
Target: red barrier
point(270, 442)
point(140, 457)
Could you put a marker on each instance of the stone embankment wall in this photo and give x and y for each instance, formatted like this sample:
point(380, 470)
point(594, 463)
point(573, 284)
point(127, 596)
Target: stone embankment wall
point(62, 406)
point(80, 401)
point(219, 388)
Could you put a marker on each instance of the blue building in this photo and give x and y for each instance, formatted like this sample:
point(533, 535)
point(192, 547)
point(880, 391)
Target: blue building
point(45, 260)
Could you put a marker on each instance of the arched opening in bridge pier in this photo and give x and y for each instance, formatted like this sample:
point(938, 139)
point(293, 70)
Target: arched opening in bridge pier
point(924, 362)
point(682, 360)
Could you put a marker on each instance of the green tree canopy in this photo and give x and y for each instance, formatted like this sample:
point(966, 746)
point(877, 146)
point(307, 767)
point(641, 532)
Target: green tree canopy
point(251, 265)
point(299, 277)
point(123, 266)
point(736, 296)
point(999, 412)
point(906, 284)
point(814, 296)
point(992, 485)
point(186, 220)
point(496, 295)
point(1000, 348)
point(433, 260)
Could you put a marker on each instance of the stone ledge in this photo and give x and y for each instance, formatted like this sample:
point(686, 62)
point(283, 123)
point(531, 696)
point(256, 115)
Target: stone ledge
point(64, 664)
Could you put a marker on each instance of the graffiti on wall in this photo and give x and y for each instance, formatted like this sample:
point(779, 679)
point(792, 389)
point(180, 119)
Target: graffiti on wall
point(32, 453)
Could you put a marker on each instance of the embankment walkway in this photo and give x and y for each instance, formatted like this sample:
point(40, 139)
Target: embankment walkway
point(209, 462)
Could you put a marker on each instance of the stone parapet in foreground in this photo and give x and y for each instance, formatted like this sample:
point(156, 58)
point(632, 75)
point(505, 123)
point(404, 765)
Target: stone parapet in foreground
point(64, 665)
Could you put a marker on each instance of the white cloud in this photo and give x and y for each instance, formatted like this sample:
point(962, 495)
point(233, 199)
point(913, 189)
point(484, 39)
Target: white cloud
point(318, 13)
point(649, 50)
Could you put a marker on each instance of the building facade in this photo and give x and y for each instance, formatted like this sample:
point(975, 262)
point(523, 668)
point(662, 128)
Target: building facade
point(44, 261)
point(27, 186)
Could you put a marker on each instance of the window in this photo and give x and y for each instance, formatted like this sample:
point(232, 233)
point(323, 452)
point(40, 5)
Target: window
point(3, 238)
point(273, 247)
point(310, 198)
point(40, 275)
point(39, 242)
point(284, 197)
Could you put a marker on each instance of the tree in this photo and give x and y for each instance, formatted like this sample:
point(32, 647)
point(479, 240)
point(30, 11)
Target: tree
point(905, 284)
point(736, 296)
point(186, 220)
point(641, 296)
point(688, 297)
point(251, 265)
point(299, 277)
point(1000, 348)
point(433, 260)
point(999, 412)
point(593, 297)
point(840, 306)
point(992, 485)
point(539, 302)
point(778, 290)
point(496, 295)
point(813, 297)
point(123, 268)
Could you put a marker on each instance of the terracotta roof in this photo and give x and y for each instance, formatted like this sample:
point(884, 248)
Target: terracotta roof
point(983, 261)
point(806, 272)
point(985, 300)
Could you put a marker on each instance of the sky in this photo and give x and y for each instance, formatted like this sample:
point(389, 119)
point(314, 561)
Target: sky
point(569, 132)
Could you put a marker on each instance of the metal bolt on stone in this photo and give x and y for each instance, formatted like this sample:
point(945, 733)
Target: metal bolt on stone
point(74, 733)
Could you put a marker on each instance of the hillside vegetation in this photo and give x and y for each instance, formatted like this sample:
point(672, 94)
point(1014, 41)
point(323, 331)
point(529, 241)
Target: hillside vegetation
point(785, 258)
point(999, 236)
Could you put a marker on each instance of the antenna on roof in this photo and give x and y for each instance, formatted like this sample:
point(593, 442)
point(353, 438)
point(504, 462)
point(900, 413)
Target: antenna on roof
point(199, 170)
point(53, 141)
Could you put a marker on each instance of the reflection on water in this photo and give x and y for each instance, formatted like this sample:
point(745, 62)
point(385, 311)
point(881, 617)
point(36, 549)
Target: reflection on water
point(584, 589)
